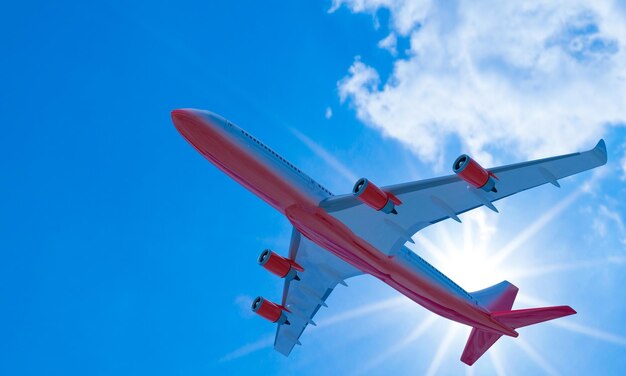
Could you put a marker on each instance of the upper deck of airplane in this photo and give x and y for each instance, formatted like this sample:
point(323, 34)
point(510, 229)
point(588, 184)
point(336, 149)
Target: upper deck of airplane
point(277, 157)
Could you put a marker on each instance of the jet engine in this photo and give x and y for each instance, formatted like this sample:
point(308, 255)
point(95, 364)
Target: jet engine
point(280, 266)
point(269, 310)
point(374, 197)
point(473, 173)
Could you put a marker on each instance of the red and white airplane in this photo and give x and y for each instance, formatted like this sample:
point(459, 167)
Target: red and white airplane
point(364, 232)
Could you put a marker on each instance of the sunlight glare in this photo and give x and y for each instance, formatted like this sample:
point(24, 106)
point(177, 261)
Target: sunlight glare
point(496, 361)
point(467, 260)
point(535, 356)
point(451, 333)
point(413, 336)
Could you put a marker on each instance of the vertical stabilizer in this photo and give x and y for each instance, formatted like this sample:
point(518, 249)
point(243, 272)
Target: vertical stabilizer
point(498, 297)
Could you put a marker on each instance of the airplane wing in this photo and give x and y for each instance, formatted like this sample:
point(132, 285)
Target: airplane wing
point(303, 298)
point(429, 201)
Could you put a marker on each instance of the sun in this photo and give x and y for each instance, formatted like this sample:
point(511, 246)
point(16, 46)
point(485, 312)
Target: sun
point(464, 256)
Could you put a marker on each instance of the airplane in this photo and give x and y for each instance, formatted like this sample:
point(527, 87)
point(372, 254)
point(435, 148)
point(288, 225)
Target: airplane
point(336, 237)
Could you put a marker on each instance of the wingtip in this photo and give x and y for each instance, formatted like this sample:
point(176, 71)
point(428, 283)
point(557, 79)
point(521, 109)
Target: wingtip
point(569, 310)
point(600, 151)
point(284, 352)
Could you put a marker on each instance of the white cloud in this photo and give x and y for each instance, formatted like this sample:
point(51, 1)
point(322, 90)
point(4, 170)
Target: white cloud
point(623, 166)
point(406, 14)
point(389, 43)
point(529, 78)
point(328, 113)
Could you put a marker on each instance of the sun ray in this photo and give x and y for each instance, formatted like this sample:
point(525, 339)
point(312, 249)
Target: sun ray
point(427, 246)
point(354, 313)
point(535, 356)
point(591, 332)
point(249, 348)
point(477, 233)
point(442, 349)
point(531, 230)
point(416, 333)
point(448, 246)
point(468, 237)
point(326, 156)
point(535, 271)
point(526, 299)
point(363, 310)
point(496, 361)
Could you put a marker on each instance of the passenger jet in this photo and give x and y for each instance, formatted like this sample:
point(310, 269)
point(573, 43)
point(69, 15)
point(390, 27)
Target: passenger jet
point(336, 237)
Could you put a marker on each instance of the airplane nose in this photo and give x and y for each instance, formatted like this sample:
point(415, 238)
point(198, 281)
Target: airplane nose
point(199, 128)
point(178, 113)
point(182, 118)
point(190, 122)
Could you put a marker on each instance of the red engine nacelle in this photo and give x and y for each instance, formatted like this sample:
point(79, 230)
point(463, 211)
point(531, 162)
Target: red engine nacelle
point(282, 267)
point(269, 310)
point(374, 197)
point(473, 173)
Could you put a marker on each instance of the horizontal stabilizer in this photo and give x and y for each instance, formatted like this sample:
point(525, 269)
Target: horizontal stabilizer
point(524, 317)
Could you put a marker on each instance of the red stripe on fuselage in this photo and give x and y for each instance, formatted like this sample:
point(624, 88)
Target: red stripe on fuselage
point(208, 135)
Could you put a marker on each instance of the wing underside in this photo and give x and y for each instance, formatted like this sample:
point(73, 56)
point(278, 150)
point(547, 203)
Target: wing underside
point(430, 201)
point(323, 271)
point(423, 203)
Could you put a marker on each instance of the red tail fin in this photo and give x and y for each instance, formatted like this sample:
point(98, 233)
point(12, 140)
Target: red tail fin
point(524, 317)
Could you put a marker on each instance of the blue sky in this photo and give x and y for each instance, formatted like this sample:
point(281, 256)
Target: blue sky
point(123, 251)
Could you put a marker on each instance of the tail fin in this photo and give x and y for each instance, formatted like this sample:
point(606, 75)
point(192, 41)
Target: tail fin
point(499, 299)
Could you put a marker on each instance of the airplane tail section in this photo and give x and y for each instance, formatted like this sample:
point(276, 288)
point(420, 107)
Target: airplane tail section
point(499, 300)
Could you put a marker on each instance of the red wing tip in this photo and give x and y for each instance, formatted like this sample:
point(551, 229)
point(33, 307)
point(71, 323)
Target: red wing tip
point(565, 310)
point(569, 310)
